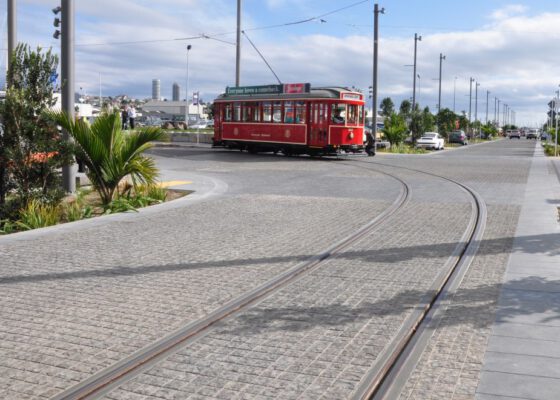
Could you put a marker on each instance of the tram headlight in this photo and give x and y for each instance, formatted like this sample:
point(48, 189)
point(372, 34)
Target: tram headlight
point(351, 135)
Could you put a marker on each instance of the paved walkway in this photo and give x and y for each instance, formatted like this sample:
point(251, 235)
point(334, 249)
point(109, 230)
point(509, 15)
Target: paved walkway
point(522, 360)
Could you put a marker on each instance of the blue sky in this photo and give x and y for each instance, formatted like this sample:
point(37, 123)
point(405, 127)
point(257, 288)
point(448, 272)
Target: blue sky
point(510, 47)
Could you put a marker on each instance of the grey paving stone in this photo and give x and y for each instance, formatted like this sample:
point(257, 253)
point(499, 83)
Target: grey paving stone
point(518, 386)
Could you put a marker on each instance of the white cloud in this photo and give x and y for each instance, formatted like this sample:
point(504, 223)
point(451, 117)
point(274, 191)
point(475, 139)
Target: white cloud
point(508, 11)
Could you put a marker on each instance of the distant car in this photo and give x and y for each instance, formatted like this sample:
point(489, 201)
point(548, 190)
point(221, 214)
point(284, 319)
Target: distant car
point(543, 136)
point(199, 125)
point(532, 134)
point(514, 133)
point(458, 137)
point(430, 140)
point(210, 123)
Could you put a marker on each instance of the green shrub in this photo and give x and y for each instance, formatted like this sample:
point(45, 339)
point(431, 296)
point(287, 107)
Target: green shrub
point(38, 215)
point(548, 149)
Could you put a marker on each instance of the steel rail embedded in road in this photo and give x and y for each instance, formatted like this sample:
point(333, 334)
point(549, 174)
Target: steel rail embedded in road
point(130, 367)
point(391, 370)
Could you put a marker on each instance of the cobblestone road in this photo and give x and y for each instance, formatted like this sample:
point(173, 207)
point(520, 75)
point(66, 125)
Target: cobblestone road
point(74, 303)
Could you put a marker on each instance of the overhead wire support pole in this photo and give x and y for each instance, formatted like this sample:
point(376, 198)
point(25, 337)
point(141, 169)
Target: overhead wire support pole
point(416, 40)
point(12, 29)
point(67, 75)
point(441, 58)
point(487, 97)
point(264, 59)
point(238, 45)
point(376, 12)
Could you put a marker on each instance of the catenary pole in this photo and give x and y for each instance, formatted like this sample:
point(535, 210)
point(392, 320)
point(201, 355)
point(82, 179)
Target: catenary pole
point(441, 58)
point(376, 12)
point(12, 28)
point(238, 45)
point(416, 39)
point(487, 97)
point(67, 76)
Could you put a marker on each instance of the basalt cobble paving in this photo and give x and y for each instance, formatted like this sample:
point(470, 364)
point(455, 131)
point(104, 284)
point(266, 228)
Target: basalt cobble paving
point(451, 364)
point(318, 337)
point(73, 304)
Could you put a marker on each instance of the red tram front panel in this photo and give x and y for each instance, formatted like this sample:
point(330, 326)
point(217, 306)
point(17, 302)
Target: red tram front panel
point(346, 135)
point(265, 133)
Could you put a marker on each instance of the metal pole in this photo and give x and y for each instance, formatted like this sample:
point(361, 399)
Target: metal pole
point(476, 101)
point(416, 39)
point(470, 97)
point(67, 75)
point(12, 29)
point(237, 46)
point(187, 91)
point(556, 121)
point(487, 94)
point(376, 12)
point(441, 58)
point(454, 92)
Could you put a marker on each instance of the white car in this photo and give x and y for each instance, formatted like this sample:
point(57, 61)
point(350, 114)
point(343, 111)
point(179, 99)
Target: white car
point(430, 140)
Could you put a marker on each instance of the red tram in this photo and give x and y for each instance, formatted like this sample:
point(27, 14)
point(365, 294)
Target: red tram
point(291, 118)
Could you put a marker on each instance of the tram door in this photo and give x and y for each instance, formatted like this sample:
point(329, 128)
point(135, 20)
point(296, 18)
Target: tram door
point(319, 126)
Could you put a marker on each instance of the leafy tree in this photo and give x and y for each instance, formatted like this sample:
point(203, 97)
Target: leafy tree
point(109, 153)
point(463, 121)
point(428, 120)
point(416, 127)
point(489, 130)
point(387, 107)
point(446, 121)
point(32, 150)
point(394, 128)
point(406, 107)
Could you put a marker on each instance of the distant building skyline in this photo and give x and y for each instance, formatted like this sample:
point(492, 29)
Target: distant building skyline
point(176, 92)
point(156, 89)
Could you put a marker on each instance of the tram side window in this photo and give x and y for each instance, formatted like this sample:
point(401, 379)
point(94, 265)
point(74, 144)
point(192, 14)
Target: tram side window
point(322, 113)
point(361, 115)
point(277, 112)
point(237, 112)
point(289, 112)
point(267, 112)
point(338, 113)
point(300, 112)
point(227, 112)
point(256, 112)
point(352, 114)
point(246, 112)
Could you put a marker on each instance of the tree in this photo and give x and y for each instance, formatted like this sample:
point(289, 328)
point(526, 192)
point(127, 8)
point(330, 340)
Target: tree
point(110, 154)
point(446, 121)
point(415, 125)
point(406, 107)
point(387, 107)
point(394, 128)
point(428, 120)
point(32, 150)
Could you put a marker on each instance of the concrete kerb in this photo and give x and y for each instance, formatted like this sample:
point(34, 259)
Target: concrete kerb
point(204, 188)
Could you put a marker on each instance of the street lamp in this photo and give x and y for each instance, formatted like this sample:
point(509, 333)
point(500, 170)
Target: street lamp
point(416, 39)
point(187, 90)
point(441, 58)
point(487, 94)
point(454, 92)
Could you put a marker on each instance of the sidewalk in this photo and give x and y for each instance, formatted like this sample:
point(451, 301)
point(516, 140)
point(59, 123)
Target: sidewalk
point(522, 360)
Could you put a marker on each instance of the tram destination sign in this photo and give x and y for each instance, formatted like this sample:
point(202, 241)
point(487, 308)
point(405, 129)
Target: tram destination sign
point(269, 89)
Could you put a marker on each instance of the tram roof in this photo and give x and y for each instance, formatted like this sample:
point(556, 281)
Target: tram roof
point(314, 93)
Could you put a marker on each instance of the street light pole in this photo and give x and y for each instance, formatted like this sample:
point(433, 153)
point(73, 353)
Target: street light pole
point(487, 94)
point(416, 39)
point(187, 90)
point(441, 58)
point(476, 102)
point(556, 122)
point(471, 80)
point(454, 92)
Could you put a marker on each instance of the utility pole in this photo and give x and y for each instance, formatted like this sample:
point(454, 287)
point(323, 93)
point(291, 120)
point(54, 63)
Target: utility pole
point(498, 113)
point(189, 47)
point(487, 94)
point(12, 29)
point(376, 12)
point(470, 97)
point(476, 102)
point(67, 77)
point(416, 39)
point(556, 123)
point(441, 58)
point(237, 46)
point(454, 91)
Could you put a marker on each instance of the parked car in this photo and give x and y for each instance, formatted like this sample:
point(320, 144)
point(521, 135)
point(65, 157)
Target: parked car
point(458, 137)
point(532, 134)
point(514, 133)
point(430, 140)
point(200, 125)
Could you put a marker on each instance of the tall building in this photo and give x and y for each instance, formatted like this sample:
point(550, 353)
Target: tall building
point(176, 92)
point(156, 89)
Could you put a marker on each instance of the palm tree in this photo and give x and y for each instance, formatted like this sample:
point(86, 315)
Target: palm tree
point(110, 154)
